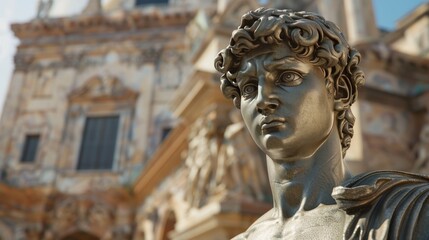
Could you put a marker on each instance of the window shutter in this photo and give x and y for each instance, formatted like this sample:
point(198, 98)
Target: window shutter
point(29, 152)
point(98, 143)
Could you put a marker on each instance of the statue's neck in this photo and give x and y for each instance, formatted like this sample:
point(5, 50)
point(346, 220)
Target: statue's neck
point(304, 184)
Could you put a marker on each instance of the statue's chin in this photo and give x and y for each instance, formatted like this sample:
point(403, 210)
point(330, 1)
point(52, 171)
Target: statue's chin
point(281, 146)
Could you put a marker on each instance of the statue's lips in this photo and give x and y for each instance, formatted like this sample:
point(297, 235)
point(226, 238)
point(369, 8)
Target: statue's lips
point(271, 123)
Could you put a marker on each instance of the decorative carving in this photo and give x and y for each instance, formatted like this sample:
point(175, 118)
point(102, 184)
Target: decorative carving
point(66, 214)
point(170, 69)
point(134, 20)
point(422, 150)
point(84, 58)
point(102, 88)
point(44, 85)
point(71, 213)
point(72, 60)
point(202, 156)
point(92, 7)
point(294, 76)
point(43, 8)
point(23, 61)
point(100, 215)
point(222, 162)
point(241, 166)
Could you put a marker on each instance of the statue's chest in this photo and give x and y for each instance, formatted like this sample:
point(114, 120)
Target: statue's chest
point(310, 226)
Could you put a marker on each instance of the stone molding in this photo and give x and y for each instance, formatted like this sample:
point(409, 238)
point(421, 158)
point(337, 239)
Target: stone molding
point(99, 88)
point(45, 214)
point(28, 62)
point(124, 21)
point(402, 64)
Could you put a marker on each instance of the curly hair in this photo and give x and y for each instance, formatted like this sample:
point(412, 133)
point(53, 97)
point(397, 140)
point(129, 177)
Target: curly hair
point(311, 38)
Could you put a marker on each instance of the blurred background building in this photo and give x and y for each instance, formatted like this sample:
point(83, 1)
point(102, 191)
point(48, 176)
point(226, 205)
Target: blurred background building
point(114, 126)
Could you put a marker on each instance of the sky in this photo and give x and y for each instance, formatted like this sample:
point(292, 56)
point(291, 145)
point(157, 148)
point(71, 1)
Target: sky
point(387, 13)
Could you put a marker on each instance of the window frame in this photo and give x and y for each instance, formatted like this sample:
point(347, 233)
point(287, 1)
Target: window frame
point(85, 101)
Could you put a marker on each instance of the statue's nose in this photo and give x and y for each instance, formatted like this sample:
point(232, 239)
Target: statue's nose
point(267, 102)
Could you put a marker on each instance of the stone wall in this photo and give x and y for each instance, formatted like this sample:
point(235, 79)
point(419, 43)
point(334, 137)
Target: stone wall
point(59, 81)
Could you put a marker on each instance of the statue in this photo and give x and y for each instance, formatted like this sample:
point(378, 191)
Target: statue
point(422, 150)
point(201, 159)
point(240, 165)
point(44, 8)
point(294, 78)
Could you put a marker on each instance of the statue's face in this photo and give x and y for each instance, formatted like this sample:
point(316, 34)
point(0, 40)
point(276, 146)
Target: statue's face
point(284, 103)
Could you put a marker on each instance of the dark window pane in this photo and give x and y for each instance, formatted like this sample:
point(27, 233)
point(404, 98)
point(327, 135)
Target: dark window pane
point(147, 2)
point(30, 148)
point(98, 143)
point(165, 132)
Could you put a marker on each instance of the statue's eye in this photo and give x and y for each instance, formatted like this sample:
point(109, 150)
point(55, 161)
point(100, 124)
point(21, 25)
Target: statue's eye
point(249, 89)
point(290, 79)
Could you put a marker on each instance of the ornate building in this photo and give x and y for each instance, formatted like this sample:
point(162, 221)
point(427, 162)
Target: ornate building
point(114, 126)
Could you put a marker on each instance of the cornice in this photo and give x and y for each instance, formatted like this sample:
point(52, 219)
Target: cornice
point(414, 16)
point(407, 21)
point(119, 22)
point(79, 60)
point(411, 66)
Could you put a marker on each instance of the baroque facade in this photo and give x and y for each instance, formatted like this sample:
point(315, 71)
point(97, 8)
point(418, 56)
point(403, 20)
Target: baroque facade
point(114, 126)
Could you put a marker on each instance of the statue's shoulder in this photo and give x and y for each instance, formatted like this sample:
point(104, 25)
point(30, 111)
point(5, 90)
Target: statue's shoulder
point(385, 205)
point(261, 223)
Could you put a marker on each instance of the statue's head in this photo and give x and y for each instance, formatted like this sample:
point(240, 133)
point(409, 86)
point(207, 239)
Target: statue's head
point(294, 76)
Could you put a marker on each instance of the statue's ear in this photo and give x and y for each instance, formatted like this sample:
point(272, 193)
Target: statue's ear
point(342, 94)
